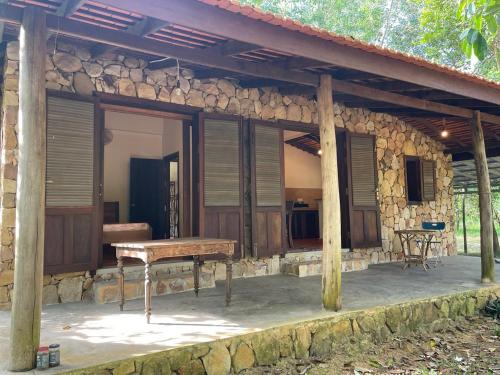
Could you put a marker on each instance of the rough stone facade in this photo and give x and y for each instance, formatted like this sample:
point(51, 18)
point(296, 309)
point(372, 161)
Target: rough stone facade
point(71, 69)
point(315, 338)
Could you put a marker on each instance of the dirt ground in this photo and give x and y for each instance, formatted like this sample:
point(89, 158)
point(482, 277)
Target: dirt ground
point(471, 346)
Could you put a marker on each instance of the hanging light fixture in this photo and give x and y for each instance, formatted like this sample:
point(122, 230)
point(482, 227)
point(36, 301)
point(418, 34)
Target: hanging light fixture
point(444, 132)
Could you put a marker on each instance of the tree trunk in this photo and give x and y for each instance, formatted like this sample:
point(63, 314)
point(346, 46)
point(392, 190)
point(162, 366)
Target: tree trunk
point(30, 204)
point(484, 190)
point(332, 266)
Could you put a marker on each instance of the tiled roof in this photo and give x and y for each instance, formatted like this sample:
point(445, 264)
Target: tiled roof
point(287, 23)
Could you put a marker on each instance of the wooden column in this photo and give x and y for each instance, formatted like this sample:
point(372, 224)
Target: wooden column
point(484, 191)
point(463, 220)
point(30, 205)
point(331, 201)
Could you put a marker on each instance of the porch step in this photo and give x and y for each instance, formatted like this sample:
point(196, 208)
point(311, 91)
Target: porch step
point(105, 291)
point(304, 268)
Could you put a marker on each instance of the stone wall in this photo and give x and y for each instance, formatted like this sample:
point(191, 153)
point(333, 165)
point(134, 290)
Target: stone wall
point(71, 69)
point(315, 338)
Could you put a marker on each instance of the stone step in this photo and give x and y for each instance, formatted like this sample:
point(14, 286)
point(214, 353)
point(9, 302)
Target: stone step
point(314, 267)
point(106, 291)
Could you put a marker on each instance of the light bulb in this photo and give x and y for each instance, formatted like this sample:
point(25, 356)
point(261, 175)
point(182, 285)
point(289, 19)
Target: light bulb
point(444, 133)
point(320, 152)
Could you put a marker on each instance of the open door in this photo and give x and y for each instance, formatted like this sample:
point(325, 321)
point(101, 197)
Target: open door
point(221, 178)
point(268, 196)
point(73, 189)
point(363, 198)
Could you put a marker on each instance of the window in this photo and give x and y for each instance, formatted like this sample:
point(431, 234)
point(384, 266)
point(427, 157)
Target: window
point(420, 180)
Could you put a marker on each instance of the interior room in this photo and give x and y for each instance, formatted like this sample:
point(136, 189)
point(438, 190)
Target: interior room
point(143, 178)
point(303, 193)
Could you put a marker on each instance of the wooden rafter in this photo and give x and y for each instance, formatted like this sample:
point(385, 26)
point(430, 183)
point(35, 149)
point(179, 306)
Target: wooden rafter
point(69, 7)
point(141, 28)
point(211, 19)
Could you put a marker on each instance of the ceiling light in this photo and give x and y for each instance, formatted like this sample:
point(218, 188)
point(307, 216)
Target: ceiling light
point(319, 152)
point(444, 133)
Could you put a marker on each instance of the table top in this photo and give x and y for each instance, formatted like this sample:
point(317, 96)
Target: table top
point(150, 251)
point(415, 231)
point(175, 242)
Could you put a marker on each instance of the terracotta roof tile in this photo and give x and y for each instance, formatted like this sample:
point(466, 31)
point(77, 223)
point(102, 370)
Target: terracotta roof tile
point(288, 23)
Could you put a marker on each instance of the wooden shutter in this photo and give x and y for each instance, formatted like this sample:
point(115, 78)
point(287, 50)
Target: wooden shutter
point(268, 214)
point(71, 229)
point(364, 209)
point(428, 180)
point(221, 173)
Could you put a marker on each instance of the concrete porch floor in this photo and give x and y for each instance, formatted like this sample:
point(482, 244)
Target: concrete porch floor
point(91, 334)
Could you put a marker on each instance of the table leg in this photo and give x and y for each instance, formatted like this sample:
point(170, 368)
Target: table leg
point(147, 291)
point(229, 276)
point(121, 282)
point(196, 274)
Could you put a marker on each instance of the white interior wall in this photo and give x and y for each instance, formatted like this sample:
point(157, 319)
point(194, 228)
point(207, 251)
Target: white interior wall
point(133, 136)
point(302, 170)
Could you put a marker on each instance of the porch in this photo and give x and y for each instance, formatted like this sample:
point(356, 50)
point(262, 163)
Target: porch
point(91, 334)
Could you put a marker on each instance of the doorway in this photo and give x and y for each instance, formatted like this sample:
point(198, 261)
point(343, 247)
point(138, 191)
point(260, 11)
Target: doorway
point(144, 176)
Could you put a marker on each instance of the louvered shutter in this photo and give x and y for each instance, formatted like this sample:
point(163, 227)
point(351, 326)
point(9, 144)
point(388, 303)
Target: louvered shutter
point(268, 210)
point(363, 203)
point(267, 166)
point(220, 173)
point(222, 163)
point(70, 153)
point(428, 180)
point(363, 174)
point(71, 216)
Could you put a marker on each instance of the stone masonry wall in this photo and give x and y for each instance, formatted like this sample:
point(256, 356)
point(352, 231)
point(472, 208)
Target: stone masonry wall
point(72, 69)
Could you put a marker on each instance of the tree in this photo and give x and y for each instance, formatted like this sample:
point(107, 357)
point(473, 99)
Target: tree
point(431, 29)
point(481, 19)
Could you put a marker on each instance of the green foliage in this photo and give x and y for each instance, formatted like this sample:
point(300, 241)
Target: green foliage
point(481, 19)
point(432, 29)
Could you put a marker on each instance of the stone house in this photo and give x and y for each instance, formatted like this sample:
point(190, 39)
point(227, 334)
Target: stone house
point(237, 149)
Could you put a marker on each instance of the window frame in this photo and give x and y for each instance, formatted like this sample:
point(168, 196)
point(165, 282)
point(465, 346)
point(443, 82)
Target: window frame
point(420, 172)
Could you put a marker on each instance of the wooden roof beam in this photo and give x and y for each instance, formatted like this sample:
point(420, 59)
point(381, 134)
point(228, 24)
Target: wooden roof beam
point(211, 19)
point(69, 7)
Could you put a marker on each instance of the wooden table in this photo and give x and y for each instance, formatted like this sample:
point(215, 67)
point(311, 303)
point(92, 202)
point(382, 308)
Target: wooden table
point(422, 238)
point(151, 251)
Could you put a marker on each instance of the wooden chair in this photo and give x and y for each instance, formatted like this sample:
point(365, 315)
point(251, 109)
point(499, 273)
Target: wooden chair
point(436, 243)
point(289, 217)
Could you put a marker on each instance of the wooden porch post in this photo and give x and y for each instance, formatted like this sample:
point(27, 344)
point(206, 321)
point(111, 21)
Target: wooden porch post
point(331, 202)
point(463, 219)
point(484, 191)
point(30, 205)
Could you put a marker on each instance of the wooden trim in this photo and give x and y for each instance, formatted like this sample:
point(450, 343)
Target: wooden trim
point(144, 112)
point(209, 18)
point(146, 104)
point(186, 177)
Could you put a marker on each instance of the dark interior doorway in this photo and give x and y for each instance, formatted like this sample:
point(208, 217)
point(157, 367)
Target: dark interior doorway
point(148, 195)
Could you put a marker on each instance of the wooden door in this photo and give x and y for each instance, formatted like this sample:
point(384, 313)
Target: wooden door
point(363, 198)
point(221, 178)
point(147, 195)
point(73, 190)
point(268, 198)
